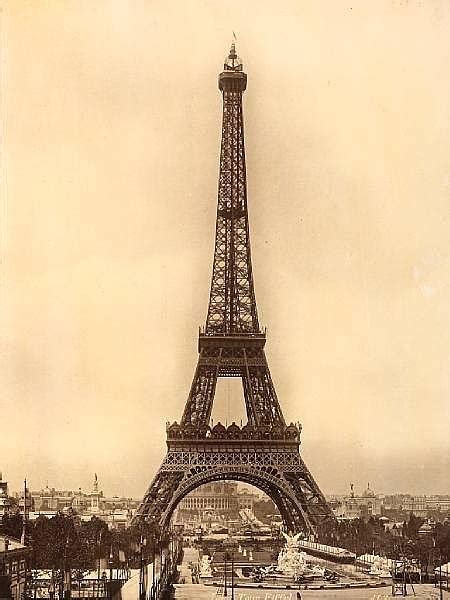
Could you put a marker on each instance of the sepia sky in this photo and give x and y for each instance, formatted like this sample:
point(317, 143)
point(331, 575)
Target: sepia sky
point(111, 131)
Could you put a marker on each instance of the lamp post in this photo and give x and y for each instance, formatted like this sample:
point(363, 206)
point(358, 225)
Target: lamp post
point(153, 564)
point(441, 596)
point(99, 550)
point(66, 573)
point(225, 591)
point(141, 568)
point(110, 572)
point(230, 546)
point(434, 538)
point(232, 575)
point(105, 582)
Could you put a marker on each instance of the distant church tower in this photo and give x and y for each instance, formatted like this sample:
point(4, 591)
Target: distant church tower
point(4, 497)
point(95, 496)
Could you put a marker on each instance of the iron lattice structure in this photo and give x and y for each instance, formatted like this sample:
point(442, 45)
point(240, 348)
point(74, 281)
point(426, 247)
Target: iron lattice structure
point(264, 452)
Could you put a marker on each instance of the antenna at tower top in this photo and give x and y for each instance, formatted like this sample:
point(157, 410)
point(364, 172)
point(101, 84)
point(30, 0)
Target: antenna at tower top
point(233, 62)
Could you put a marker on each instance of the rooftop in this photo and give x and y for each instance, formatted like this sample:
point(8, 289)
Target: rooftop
point(8, 543)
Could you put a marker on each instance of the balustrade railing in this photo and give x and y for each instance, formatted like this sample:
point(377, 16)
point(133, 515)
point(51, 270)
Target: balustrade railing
point(289, 433)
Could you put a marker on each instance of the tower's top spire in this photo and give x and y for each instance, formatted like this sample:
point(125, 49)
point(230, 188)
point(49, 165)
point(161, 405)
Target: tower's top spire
point(233, 62)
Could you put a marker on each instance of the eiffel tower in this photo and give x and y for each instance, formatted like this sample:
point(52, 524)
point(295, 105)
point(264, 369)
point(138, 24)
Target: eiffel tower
point(265, 451)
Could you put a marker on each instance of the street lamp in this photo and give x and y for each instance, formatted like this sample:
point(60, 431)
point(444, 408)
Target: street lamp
point(142, 568)
point(67, 572)
point(153, 561)
point(225, 591)
point(230, 546)
point(110, 571)
point(99, 551)
point(105, 582)
point(232, 575)
point(441, 596)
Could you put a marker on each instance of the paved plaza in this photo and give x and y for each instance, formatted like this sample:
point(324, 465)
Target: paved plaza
point(201, 592)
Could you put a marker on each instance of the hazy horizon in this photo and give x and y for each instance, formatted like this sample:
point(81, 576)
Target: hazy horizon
point(358, 491)
point(111, 123)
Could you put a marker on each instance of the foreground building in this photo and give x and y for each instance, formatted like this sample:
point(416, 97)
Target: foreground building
point(14, 563)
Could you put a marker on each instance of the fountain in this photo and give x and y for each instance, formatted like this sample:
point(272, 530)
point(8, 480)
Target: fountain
point(291, 561)
point(205, 567)
point(380, 567)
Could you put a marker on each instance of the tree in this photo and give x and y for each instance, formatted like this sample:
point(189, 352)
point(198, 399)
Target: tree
point(412, 526)
point(442, 539)
point(264, 510)
point(41, 543)
point(12, 525)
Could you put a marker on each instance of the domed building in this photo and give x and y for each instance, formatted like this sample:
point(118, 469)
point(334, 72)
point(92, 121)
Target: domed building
point(356, 506)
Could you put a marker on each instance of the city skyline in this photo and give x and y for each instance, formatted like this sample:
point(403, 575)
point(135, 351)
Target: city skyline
point(357, 489)
point(110, 155)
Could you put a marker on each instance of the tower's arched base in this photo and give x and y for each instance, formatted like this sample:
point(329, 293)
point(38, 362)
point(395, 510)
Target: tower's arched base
point(275, 467)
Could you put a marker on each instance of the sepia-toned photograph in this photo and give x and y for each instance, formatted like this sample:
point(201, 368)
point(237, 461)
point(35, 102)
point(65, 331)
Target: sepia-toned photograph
point(224, 299)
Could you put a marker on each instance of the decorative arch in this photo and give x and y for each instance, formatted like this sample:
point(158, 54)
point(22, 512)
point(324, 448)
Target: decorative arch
point(267, 480)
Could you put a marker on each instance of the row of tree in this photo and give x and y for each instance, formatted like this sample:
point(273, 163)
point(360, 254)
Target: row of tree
point(65, 542)
point(404, 540)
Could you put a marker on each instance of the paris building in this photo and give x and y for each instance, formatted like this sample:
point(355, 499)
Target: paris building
point(5, 500)
point(116, 511)
point(220, 500)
